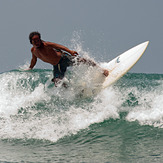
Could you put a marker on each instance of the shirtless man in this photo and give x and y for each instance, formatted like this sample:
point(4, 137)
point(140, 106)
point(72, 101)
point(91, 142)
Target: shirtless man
point(55, 54)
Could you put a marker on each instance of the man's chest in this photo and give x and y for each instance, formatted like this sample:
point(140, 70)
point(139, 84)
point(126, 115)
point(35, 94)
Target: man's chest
point(44, 52)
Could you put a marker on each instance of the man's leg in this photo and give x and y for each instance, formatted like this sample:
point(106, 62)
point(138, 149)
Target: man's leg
point(86, 61)
point(57, 74)
point(91, 63)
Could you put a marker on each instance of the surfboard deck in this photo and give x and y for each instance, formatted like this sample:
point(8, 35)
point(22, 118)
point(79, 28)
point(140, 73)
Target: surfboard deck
point(120, 65)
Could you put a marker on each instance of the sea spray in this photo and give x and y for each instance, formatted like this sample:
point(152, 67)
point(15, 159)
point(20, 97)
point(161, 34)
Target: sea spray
point(31, 109)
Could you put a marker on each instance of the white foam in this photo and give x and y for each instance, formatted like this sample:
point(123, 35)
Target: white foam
point(51, 124)
point(16, 92)
point(56, 112)
point(149, 116)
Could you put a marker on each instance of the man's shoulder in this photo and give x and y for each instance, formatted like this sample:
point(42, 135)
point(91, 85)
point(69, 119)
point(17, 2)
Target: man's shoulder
point(47, 43)
point(32, 49)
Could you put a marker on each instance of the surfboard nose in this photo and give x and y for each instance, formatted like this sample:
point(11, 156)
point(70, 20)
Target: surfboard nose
point(145, 43)
point(124, 62)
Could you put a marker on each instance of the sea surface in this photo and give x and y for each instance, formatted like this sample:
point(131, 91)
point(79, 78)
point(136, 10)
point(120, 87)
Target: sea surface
point(43, 123)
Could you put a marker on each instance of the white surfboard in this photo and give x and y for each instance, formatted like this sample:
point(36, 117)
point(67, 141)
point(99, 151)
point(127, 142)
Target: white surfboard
point(123, 63)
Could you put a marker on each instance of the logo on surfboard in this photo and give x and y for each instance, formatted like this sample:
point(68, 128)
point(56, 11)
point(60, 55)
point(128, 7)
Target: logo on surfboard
point(118, 60)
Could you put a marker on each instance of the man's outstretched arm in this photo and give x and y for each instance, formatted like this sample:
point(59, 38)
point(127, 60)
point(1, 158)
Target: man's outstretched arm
point(58, 46)
point(33, 62)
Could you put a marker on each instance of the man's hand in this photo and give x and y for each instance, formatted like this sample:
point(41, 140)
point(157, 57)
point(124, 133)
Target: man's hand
point(27, 69)
point(73, 53)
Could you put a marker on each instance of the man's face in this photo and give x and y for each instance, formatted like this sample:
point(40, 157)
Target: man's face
point(36, 42)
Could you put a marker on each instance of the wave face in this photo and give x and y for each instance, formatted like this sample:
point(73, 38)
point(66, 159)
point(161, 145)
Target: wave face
point(33, 110)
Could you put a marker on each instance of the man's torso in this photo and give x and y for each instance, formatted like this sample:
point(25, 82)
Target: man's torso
point(47, 53)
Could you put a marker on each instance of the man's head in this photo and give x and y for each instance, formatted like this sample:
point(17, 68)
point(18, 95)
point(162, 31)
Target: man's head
point(33, 34)
point(35, 39)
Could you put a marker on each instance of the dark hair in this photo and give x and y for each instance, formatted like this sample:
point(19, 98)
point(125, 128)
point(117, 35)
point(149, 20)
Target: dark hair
point(32, 34)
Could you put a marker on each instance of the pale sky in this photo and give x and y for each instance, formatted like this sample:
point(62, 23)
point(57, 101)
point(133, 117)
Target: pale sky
point(107, 28)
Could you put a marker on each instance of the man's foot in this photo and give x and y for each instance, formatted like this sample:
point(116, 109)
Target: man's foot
point(106, 73)
point(56, 81)
point(65, 85)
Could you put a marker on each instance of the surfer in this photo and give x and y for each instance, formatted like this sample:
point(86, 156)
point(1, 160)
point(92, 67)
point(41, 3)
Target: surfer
point(58, 55)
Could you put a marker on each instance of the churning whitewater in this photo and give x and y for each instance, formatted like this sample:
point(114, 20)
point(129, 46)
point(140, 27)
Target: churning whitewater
point(32, 108)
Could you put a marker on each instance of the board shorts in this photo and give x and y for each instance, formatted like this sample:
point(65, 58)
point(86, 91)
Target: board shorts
point(60, 69)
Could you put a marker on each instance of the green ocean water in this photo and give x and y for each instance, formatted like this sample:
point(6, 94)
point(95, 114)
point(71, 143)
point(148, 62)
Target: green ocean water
point(43, 123)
